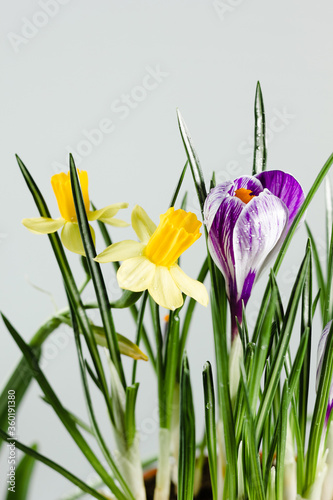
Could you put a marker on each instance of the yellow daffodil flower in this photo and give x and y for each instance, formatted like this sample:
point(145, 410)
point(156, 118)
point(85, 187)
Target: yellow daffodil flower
point(152, 263)
point(70, 234)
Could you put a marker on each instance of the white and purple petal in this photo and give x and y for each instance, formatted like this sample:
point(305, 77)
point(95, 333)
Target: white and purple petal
point(285, 187)
point(220, 240)
point(258, 229)
point(214, 200)
point(248, 182)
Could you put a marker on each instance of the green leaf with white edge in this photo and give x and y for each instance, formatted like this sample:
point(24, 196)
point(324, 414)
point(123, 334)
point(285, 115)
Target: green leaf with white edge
point(293, 385)
point(61, 411)
point(315, 303)
point(171, 364)
point(329, 212)
point(131, 395)
point(306, 324)
point(253, 463)
point(225, 406)
point(300, 214)
point(261, 350)
point(210, 422)
point(23, 474)
point(97, 432)
point(319, 271)
point(328, 303)
point(259, 157)
point(193, 161)
point(187, 446)
point(281, 442)
point(95, 271)
point(282, 347)
point(319, 413)
point(69, 282)
point(58, 468)
point(126, 346)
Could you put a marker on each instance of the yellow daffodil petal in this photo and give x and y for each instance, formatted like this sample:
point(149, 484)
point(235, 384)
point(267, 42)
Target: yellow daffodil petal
point(142, 224)
point(43, 225)
point(121, 251)
point(164, 290)
point(71, 238)
point(106, 213)
point(136, 274)
point(189, 286)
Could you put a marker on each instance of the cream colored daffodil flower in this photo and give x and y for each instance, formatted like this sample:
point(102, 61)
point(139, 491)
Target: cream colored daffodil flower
point(151, 263)
point(70, 234)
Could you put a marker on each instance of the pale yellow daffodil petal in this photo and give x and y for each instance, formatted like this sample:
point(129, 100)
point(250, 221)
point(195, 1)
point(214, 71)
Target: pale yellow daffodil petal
point(113, 221)
point(106, 213)
point(142, 224)
point(164, 290)
point(43, 225)
point(136, 274)
point(121, 251)
point(71, 238)
point(189, 286)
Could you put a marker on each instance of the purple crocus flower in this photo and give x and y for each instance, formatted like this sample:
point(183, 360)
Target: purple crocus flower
point(320, 359)
point(247, 220)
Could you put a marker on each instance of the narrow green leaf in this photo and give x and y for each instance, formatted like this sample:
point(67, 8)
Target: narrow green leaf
point(319, 413)
point(19, 382)
point(283, 343)
point(259, 159)
point(60, 410)
point(127, 299)
point(23, 474)
point(189, 312)
point(320, 177)
point(170, 364)
point(179, 185)
point(131, 395)
point(193, 161)
point(281, 442)
point(329, 212)
point(328, 303)
point(261, 350)
point(53, 465)
point(319, 271)
point(209, 396)
point(69, 282)
point(139, 328)
point(225, 407)
point(186, 436)
point(306, 325)
point(95, 271)
point(253, 464)
point(130, 298)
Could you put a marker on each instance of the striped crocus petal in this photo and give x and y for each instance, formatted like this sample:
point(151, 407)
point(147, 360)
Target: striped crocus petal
point(320, 359)
point(285, 187)
point(257, 231)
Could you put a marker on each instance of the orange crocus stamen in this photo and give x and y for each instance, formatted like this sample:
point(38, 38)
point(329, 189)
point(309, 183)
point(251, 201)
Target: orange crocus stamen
point(245, 195)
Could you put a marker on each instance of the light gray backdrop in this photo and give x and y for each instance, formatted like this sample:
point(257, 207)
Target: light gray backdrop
point(71, 67)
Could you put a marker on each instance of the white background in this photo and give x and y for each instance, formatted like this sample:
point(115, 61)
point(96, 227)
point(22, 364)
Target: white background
point(63, 77)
